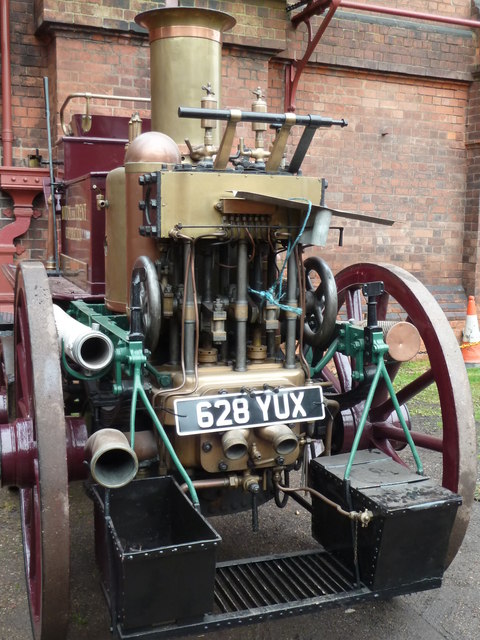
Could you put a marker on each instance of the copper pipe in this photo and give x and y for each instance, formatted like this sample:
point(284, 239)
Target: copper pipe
point(405, 13)
point(208, 484)
point(7, 133)
point(364, 517)
point(320, 6)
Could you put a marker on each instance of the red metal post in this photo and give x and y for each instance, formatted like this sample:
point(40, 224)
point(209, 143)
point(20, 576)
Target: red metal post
point(7, 132)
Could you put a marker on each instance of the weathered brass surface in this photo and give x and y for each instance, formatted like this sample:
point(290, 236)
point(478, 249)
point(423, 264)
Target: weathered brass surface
point(189, 199)
point(259, 448)
point(185, 54)
point(136, 245)
point(210, 381)
point(115, 242)
point(213, 379)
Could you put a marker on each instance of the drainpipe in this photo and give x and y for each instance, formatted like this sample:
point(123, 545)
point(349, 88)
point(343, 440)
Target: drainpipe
point(7, 133)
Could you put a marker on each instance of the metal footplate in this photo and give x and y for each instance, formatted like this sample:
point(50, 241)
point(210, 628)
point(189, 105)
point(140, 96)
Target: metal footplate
point(158, 553)
point(265, 588)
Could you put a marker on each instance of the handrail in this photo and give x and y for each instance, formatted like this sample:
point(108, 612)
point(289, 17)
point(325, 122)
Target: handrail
point(86, 117)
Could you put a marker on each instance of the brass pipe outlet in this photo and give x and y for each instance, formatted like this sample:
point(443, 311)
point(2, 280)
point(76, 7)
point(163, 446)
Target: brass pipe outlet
point(283, 440)
point(113, 463)
point(234, 443)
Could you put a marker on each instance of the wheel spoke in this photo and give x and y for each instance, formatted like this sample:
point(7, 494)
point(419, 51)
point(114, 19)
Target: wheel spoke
point(353, 304)
point(385, 446)
point(408, 392)
point(423, 440)
point(344, 370)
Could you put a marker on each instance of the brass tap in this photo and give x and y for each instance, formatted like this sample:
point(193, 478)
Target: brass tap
point(259, 106)
point(204, 153)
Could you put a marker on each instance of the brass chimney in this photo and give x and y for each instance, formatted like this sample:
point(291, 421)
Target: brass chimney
point(185, 54)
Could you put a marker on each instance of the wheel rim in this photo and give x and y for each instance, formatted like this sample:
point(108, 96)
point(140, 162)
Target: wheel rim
point(150, 301)
point(43, 506)
point(457, 446)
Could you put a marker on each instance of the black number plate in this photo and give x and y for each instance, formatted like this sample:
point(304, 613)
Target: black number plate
point(245, 410)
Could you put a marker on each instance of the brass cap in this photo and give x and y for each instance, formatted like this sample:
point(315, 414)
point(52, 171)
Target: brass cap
point(153, 146)
point(175, 16)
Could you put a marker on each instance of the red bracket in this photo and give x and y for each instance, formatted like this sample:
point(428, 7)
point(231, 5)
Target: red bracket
point(294, 70)
point(22, 184)
point(317, 7)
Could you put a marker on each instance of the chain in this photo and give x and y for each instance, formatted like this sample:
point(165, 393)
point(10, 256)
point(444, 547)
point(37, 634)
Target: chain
point(355, 544)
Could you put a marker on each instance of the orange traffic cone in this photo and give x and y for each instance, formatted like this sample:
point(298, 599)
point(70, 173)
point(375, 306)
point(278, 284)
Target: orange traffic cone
point(471, 336)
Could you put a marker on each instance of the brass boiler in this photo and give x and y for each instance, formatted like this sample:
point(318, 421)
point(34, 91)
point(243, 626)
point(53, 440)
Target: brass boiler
point(185, 52)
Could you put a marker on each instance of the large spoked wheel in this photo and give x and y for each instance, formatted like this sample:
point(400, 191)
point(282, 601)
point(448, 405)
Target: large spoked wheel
point(44, 508)
point(455, 448)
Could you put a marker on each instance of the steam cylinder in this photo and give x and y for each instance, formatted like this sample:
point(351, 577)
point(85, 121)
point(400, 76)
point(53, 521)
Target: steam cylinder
point(185, 53)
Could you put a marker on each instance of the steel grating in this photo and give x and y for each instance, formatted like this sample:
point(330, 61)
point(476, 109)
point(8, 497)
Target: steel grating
point(263, 588)
point(260, 589)
point(278, 580)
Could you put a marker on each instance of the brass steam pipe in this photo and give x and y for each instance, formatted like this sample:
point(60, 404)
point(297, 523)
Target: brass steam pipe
point(67, 130)
point(113, 463)
point(241, 306)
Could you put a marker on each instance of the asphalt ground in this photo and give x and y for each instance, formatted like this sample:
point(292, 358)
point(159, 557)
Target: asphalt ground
point(452, 612)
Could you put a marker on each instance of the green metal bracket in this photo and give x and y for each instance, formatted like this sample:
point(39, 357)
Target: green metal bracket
point(350, 341)
point(98, 313)
point(130, 359)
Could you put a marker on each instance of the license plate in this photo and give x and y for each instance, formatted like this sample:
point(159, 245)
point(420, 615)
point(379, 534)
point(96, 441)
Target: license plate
point(227, 411)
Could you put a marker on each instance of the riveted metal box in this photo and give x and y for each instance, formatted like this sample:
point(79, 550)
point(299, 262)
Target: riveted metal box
point(156, 552)
point(406, 541)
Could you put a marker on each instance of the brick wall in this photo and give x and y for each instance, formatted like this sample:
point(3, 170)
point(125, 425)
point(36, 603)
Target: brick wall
point(406, 88)
point(402, 157)
point(28, 66)
point(471, 244)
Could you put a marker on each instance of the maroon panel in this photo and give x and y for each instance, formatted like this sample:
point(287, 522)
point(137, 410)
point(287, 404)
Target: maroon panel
point(84, 155)
point(83, 233)
point(105, 126)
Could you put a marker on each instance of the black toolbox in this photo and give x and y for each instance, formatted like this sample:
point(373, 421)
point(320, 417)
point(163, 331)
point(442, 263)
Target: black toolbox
point(406, 542)
point(156, 553)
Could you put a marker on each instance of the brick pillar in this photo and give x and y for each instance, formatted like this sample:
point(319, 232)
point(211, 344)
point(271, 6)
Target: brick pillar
point(471, 242)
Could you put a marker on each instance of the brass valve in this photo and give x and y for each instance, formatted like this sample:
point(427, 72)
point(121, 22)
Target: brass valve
point(134, 127)
point(259, 154)
point(259, 106)
point(208, 102)
point(206, 151)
